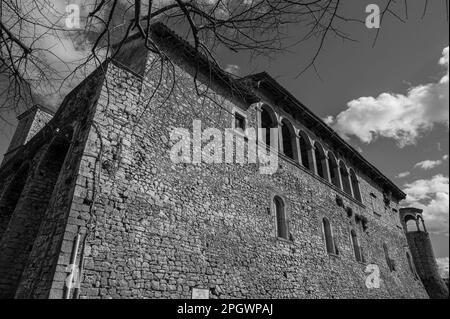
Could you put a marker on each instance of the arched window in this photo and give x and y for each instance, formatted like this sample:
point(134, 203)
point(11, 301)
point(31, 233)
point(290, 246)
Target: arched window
point(289, 139)
point(268, 121)
point(11, 196)
point(334, 170)
point(305, 147)
point(356, 247)
point(321, 161)
point(411, 223)
point(345, 178)
point(281, 220)
point(328, 236)
point(355, 185)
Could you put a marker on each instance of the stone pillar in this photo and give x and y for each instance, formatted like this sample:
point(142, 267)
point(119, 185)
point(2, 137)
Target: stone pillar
point(299, 152)
point(424, 227)
point(280, 137)
point(312, 159)
point(258, 108)
point(327, 166)
point(350, 183)
point(341, 185)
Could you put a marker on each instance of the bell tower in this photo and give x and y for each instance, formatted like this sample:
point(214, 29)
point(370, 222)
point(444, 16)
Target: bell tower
point(422, 251)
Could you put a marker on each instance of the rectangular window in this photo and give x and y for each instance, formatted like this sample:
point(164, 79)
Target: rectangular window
point(239, 122)
point(397, 218)
point(373, 199)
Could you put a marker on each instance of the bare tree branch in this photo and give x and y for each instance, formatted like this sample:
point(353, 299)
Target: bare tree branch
point(33, 35)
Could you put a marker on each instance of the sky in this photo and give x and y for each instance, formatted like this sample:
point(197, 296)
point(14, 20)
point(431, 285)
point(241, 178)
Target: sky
point(390, 100)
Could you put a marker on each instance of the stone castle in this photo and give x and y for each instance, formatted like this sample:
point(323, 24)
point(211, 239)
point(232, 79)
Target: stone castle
point(91, 205)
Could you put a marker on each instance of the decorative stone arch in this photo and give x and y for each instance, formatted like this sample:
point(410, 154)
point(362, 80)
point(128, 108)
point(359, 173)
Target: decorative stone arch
point(11, 196)
point(288, 145)
point(267, 119)
point(411, 218)
point(345, 178)
point(355, 185)
point(321, 161)
point(335, 174)
point(306, 151)
point(30, 211)
point(411, 223)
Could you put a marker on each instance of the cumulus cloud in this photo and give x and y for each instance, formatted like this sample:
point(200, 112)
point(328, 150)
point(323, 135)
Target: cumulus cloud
point(443, 266)
point(431, 195)
point(423, 188)
point(402, 117)
point(445, 157)
point(403, 174)
point(428, 164)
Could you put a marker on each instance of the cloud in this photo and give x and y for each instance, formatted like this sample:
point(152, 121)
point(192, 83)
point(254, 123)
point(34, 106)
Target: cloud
point(443, 266)
point(233, 69)
point(428, 164)
point(431, 195)
point(422, 188)
point(329, 120)
point(445, 157)
point(62, 50)
point(57, 49)
point(403, 174)
point(402, 117)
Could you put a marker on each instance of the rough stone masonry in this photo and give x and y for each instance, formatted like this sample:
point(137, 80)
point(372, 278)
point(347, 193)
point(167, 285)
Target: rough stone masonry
point(91, 205)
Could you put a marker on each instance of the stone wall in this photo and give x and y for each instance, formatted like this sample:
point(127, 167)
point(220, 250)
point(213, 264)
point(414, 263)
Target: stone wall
point(35, 226)
point(159, 229)
point(30, 123)
point(150, 228)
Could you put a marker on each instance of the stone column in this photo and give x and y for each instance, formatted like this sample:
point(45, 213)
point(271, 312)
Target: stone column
point(312, 159)
point(350, 183)
point(280, 136)
point(258, 108)
point(424, 227)
point(339, 175)
point(298, 151)
point(327, 167)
